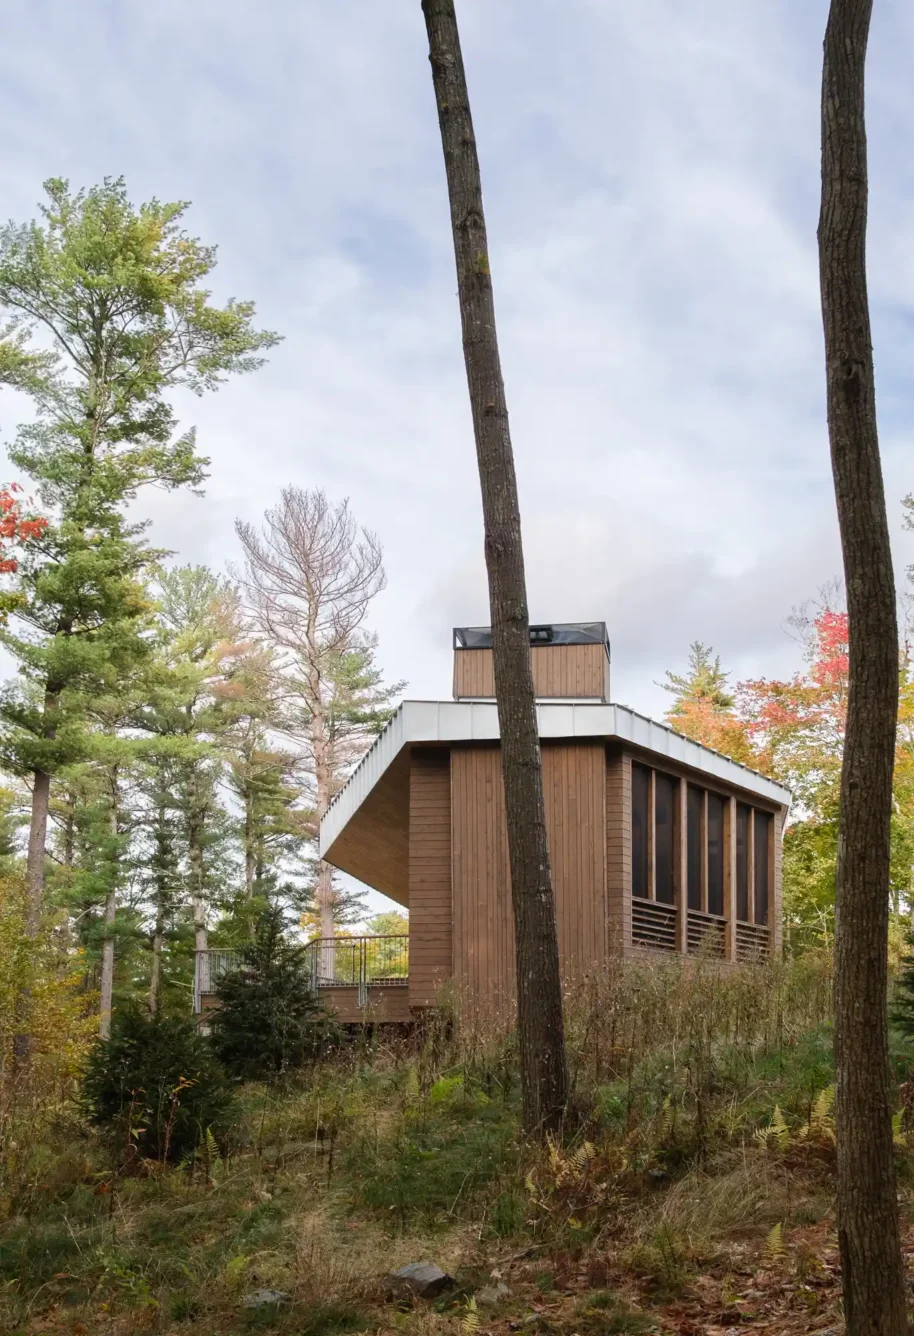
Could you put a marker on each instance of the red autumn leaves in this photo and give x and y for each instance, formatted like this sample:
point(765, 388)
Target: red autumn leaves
point(15, 528)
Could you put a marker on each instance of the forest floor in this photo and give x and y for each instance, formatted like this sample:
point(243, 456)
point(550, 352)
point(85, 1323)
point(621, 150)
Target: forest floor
point(334, 1186)
point(693, 1192)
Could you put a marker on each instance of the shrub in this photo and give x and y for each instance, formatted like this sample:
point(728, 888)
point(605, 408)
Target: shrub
point(156, 1087)
point(41, 998)
point(269, 1022)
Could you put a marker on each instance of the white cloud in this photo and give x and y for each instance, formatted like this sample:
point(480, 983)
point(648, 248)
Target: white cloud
point(651, 187)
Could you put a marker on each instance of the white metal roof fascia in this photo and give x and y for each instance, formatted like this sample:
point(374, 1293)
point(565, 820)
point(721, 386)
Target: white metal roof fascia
point(477, 721)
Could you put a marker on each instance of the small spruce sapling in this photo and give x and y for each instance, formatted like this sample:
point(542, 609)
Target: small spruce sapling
point(269, 1022)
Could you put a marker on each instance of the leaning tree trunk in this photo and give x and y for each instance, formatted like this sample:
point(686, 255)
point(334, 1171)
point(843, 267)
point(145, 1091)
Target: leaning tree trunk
point(868, 1231)
point(539, 997)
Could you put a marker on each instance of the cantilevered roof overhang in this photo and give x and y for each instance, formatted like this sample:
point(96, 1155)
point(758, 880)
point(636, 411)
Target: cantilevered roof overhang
point(366, 829)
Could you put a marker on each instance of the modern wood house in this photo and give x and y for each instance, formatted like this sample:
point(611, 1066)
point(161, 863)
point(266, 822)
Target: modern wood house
point(658, 844)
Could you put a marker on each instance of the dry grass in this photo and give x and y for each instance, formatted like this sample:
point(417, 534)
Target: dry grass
point(658, 1209)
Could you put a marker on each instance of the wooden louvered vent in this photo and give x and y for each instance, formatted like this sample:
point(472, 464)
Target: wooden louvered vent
point(654, 925)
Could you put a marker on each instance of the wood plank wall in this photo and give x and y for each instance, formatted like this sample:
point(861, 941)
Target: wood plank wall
point(430, 914)
point(559, 671)
point(618, 850)
point(483, 925)
point(574, 791)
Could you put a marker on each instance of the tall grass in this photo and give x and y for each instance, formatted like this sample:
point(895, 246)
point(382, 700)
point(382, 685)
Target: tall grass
point(397, 1150)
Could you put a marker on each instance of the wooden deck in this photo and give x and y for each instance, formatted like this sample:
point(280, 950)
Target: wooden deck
point(360, 980)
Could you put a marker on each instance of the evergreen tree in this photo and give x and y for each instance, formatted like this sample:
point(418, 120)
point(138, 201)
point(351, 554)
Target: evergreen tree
point(269, 1022)
point(704, 707)
point(903, 1000)
point(189, 716)
point(155, 1087)
point(118, 294)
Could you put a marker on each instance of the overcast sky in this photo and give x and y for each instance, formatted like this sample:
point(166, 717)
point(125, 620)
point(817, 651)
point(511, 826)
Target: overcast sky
point(650, 176)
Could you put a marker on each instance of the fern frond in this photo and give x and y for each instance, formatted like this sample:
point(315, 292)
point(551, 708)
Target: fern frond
point(774, 1244)
point(469, 1323)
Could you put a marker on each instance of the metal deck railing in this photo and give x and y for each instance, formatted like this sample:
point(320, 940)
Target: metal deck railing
point(209, 967)
point(332, 962)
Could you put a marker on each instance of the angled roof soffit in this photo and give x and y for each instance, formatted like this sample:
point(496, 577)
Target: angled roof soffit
point(448, 722)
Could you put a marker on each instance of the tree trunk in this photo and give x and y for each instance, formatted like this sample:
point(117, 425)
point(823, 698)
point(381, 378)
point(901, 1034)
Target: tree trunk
point(34, 874)
point(155, 972)
point(325, 898)
point(868, 1231)
point(250, 856)
point(195, 859)
point(161, 902)
point(320, 747)
point(35, 860)
point(107, 981)
point(539, 997)
point(323, 771)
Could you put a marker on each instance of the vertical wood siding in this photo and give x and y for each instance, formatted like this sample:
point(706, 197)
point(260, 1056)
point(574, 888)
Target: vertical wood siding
point(574, 789)
point(574, 793)
point(483, 925)
point(618, 850)
point(430, 907)
point(559, 671)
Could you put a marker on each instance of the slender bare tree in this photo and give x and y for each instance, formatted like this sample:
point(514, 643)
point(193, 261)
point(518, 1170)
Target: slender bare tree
point(868, 1231)
point(539, 994)
point(310, 574)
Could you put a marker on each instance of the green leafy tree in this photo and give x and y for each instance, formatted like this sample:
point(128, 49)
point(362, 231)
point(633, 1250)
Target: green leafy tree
point(269, 1023)
point(105, 314)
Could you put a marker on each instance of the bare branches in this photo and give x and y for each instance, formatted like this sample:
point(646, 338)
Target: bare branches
point(310, 574)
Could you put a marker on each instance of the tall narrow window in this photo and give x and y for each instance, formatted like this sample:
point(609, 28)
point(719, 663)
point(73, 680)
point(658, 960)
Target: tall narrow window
point(760, 859)
point(641, 815)
point(664, 807)
point(693, 850)
point(743, 815)
point(715, 854)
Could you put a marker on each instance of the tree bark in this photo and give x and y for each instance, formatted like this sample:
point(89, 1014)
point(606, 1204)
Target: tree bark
point(35, 859)
point(155, 972)
point(323, 770)
point(544, 1078)
point(107, 980)
point(250, 855)
point(868, 1230)
point(195, 860)
point(161, 902)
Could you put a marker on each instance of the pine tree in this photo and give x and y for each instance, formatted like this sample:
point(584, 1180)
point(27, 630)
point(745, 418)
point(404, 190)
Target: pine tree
point(118, 292)
point(704, 707)
point(189, 715)
point(269, 1022)
point(903, 1000)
